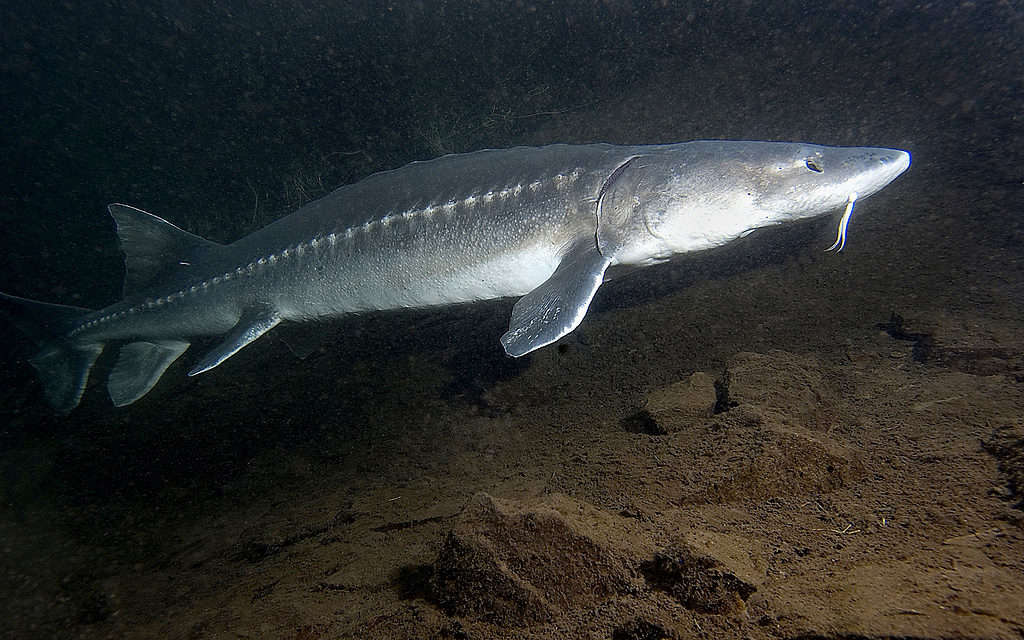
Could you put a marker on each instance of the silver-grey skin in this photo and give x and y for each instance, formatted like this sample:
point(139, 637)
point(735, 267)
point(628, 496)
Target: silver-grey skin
point(544, 223)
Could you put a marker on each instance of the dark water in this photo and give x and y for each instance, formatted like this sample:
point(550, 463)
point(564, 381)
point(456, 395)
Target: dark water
point(222, 116)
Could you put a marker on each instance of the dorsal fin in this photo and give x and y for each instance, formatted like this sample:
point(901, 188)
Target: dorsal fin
point(155, 250)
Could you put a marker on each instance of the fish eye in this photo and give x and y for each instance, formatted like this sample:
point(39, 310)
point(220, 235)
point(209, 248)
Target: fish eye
point(813, 166)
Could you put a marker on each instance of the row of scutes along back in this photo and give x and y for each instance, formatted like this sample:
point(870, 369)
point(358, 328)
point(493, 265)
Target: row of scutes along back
point(561, 180)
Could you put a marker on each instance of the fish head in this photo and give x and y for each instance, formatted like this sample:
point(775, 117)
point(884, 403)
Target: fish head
point(700, 195)
point(795, 181)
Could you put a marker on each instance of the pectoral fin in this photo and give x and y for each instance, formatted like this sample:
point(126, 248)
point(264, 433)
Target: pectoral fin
point(556, 307)
point(253, 324)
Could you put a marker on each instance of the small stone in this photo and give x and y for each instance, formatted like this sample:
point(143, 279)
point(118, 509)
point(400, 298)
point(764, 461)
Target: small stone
point(697, 581)
point(675, 407)
point(515, 565)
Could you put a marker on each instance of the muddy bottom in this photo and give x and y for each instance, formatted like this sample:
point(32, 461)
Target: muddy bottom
point(770, 454)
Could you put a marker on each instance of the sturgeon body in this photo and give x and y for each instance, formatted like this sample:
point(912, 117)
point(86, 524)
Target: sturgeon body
point(543, 223)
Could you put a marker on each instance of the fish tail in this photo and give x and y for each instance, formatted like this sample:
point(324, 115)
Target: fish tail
point(62, 365)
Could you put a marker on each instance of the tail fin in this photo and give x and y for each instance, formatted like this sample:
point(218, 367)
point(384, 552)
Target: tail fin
point(63, 367)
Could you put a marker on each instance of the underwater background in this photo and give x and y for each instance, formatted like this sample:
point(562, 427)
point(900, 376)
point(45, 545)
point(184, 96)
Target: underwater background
point(858, 475)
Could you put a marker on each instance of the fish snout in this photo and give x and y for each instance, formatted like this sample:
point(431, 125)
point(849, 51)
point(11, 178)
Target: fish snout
point(877, 169)
point(897, 159)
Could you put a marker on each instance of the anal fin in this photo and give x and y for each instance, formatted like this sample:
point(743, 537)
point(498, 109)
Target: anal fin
point(253, 324)
point(139, 366)
point(557, 306)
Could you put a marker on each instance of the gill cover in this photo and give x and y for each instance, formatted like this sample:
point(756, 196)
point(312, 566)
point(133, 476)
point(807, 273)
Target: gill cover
point(618, 207)
point(629, 207)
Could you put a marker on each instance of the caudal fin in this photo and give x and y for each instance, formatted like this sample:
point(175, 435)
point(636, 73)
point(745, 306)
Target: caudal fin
point(63, 367)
